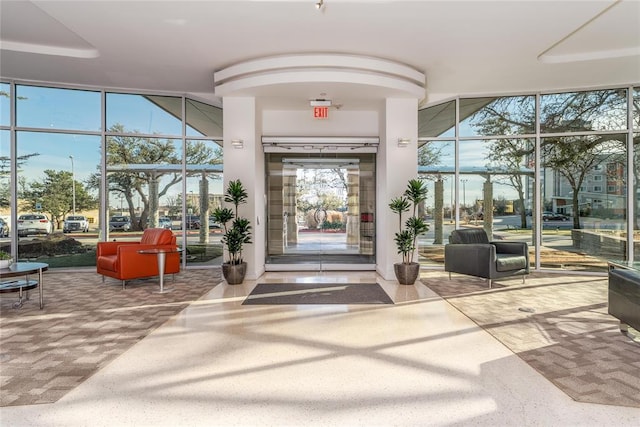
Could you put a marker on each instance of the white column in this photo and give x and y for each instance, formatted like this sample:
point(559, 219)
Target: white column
point(395, 167)
point(242, 121)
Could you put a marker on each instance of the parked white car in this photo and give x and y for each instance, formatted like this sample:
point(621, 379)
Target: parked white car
point(75, 223)
point(34, 224)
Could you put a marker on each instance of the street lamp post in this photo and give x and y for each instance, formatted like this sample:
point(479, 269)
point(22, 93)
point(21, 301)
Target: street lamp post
point(73, 187)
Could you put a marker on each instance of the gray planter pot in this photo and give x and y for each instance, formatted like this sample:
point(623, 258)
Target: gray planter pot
point(234, 274)
point(406, 274)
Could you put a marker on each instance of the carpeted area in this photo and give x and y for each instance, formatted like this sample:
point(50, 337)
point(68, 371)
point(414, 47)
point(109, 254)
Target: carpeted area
point(317, 293)
point(559, 325)
point(84, 325)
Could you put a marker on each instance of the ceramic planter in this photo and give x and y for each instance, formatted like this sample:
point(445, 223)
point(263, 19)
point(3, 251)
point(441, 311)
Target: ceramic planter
point(234, 274)
point(406, 274)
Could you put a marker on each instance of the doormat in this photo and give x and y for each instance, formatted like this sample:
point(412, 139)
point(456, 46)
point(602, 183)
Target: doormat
point(317, 293)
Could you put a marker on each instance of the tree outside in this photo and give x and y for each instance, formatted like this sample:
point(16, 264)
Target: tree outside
point(54, 195)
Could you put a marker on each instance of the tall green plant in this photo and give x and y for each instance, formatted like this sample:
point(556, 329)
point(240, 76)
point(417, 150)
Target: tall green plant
point(406, 239)
point(239, 232)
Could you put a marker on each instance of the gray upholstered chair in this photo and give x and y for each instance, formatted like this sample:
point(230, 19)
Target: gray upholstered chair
point(470, 252)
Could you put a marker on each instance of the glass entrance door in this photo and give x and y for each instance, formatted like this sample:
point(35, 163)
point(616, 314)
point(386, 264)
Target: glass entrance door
point(320, 211)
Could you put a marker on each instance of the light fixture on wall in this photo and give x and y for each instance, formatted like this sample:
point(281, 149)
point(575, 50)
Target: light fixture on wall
point(319, 4)
point(403, 142)
point(320, 102)
point(237, 143)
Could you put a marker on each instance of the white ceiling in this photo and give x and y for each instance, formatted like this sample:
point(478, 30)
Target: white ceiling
point(469, 47)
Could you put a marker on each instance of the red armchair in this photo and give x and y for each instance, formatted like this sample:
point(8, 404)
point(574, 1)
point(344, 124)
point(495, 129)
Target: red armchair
point(122, 261)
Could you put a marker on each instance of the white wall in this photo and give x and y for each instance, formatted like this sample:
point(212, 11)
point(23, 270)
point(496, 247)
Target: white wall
point(395, 167)
point(302, 123)
point(241, 121)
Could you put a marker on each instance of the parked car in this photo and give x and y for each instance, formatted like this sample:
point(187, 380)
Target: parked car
point(193, 222)
point(552, 216)
point(4, 228)
point(213, 224)
point(34, 224)
point(120, 223)
point(165, 222)
point(75, 223)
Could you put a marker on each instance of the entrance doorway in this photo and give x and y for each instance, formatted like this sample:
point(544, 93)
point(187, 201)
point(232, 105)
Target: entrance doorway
point(320, 211)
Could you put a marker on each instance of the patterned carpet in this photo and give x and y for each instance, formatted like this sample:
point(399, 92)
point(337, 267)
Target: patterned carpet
point(84, 325)
point(559, 325)
point(556, 323)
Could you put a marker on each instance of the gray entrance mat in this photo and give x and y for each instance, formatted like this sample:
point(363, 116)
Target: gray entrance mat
point(317, 293)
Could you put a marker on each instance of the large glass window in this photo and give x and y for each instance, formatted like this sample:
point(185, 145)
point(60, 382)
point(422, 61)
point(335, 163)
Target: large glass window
point(636, 108)
point(144, 114)
point(634, 187)
point(140, 173)
point(203, 119)
point(203, 195)
point(436, 164)
point(5, 104)
point(437, 121)
point(583, 187)
point(59, 176)
point(599, 110)
point(514, 115)
point(5, 193)
point(53, 108)
point(594, 214)
point(54, 182)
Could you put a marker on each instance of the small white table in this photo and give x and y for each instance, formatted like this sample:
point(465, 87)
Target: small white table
point(161, 255)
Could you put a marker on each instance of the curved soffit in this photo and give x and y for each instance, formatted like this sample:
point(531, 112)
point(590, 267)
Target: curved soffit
point(361, 73)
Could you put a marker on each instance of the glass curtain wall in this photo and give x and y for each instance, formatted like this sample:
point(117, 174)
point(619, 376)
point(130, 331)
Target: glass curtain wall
point(5, 169)
point(59, 143)
point(583, 165)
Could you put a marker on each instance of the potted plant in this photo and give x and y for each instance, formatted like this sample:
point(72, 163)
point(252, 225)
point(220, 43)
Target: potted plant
point(406, 238)
point(5, 259)
point(236, 235)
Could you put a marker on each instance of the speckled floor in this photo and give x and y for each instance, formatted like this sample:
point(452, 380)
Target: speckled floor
point(418, 362)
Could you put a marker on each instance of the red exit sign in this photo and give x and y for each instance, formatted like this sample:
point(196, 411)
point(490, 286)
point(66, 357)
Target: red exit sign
point(320, 112)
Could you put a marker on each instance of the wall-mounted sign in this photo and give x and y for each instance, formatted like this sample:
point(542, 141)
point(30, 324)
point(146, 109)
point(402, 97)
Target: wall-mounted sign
point(320, 112)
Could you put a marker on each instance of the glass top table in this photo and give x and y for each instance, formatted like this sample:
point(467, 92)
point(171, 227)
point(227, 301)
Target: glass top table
point(18, 269)
point(161, 256)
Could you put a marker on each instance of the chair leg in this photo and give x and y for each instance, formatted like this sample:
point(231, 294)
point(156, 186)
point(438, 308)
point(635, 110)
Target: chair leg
point(103, 278)
point(123, 284)
point(449, 275)
point(489, 283)
point(523, 276)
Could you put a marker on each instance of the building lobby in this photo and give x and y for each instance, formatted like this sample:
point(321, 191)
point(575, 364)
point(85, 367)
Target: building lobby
point(522, 118)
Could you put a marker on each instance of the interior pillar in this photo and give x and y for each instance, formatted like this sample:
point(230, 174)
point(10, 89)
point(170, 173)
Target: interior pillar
point(395, 167)
point(241, 121)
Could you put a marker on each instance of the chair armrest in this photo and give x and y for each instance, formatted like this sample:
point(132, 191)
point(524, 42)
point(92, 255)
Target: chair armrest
point(110, 248)
point(516, 248)
point(475, 259)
